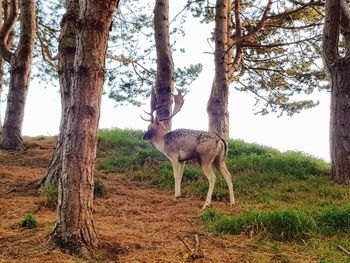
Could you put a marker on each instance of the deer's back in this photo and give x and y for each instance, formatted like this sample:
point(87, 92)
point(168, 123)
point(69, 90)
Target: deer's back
point(189, 144)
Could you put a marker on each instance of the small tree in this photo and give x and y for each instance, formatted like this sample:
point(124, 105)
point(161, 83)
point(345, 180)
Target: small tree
point(20, 63)
point(337, 64)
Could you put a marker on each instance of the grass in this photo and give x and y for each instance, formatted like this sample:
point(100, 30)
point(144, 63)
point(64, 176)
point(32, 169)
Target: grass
point(282, 196)
point(29, 221)
point(282, 225)
point(50, 194)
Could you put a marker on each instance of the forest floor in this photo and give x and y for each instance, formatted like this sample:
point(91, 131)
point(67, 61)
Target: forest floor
point(135, 222)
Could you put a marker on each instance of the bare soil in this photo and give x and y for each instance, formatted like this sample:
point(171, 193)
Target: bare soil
point(135, 222)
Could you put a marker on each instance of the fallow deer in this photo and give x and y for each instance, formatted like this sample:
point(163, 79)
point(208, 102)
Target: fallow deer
point(182, 145)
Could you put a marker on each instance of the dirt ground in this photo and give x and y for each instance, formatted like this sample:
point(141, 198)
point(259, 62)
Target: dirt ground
point(135, 222)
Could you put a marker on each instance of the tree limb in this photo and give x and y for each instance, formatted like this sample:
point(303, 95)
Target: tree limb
point(281, 44)
point(331, 33)
point(239, 49)
point(6, 30)
point(345, 24)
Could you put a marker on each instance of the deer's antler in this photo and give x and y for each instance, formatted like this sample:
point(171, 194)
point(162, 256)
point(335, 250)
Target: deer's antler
point(150, 114)
point(179, 102)
point(153, 107)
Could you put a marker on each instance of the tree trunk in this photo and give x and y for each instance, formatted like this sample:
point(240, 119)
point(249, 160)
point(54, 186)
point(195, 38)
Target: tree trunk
point(67, 48)
point(217, 106)
point(337, 20)
point(340, 123)
point(74, 230)
point(20, 65)
point(165, 64)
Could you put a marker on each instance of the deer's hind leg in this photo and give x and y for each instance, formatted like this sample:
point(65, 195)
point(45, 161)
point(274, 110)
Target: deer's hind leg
point(221, 166)
point(208, 170)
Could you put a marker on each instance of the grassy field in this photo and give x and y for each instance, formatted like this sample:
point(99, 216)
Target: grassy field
point(285, 199)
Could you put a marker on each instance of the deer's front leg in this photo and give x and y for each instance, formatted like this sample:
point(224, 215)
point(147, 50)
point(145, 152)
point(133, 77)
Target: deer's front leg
point(178, 168)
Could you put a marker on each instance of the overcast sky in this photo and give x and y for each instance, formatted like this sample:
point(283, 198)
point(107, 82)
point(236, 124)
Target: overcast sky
point(307, 131)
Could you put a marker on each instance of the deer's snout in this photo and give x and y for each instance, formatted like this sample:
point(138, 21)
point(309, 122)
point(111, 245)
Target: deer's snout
point(149, 135)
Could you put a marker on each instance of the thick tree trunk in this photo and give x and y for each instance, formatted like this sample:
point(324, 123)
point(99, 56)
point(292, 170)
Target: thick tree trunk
point(217, 106)
point(74, 230)
point(337, 15)
point(340, 123)
point(20, 65)
point(67, 48)
point(165, 64)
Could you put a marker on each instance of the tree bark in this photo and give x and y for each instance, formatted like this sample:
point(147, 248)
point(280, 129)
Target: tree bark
point(340, 123)
point(217, 107)
point(4, 14)
point(20, 64)
point(67, 48)
point(338, 69)
point(74, 230)
point(165, 64)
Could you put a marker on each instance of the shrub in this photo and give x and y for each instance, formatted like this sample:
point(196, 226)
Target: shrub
point(29, 221)
point(100, 189)
point(50, 193)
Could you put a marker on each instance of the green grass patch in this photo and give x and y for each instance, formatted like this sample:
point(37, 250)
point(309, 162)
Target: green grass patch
point(332, 219)
point(29, 221)
point(283, 225)
point(279, 225)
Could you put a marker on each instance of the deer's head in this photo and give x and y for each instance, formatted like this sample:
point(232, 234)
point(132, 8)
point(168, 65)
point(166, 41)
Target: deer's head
point(157, 127)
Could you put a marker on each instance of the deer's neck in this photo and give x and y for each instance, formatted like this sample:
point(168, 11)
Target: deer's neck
point(159, 140)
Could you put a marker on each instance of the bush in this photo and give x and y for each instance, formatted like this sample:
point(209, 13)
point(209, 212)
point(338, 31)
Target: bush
point(50, 193)
point(29, 221)
point(100, 189)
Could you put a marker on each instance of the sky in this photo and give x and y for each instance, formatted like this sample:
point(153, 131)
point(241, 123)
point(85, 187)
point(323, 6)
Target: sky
point(307, 131)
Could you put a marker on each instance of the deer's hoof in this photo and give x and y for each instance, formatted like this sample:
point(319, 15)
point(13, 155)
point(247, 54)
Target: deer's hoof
point(206, 206)
point(176, 198)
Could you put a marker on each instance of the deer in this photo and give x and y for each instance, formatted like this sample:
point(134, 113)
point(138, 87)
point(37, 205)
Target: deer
point(183, 145)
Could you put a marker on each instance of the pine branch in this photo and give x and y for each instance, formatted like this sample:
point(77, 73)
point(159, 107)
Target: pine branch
point(282, 44)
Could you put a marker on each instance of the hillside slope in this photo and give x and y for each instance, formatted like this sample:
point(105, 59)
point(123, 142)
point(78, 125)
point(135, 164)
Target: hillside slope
point(135, 222)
